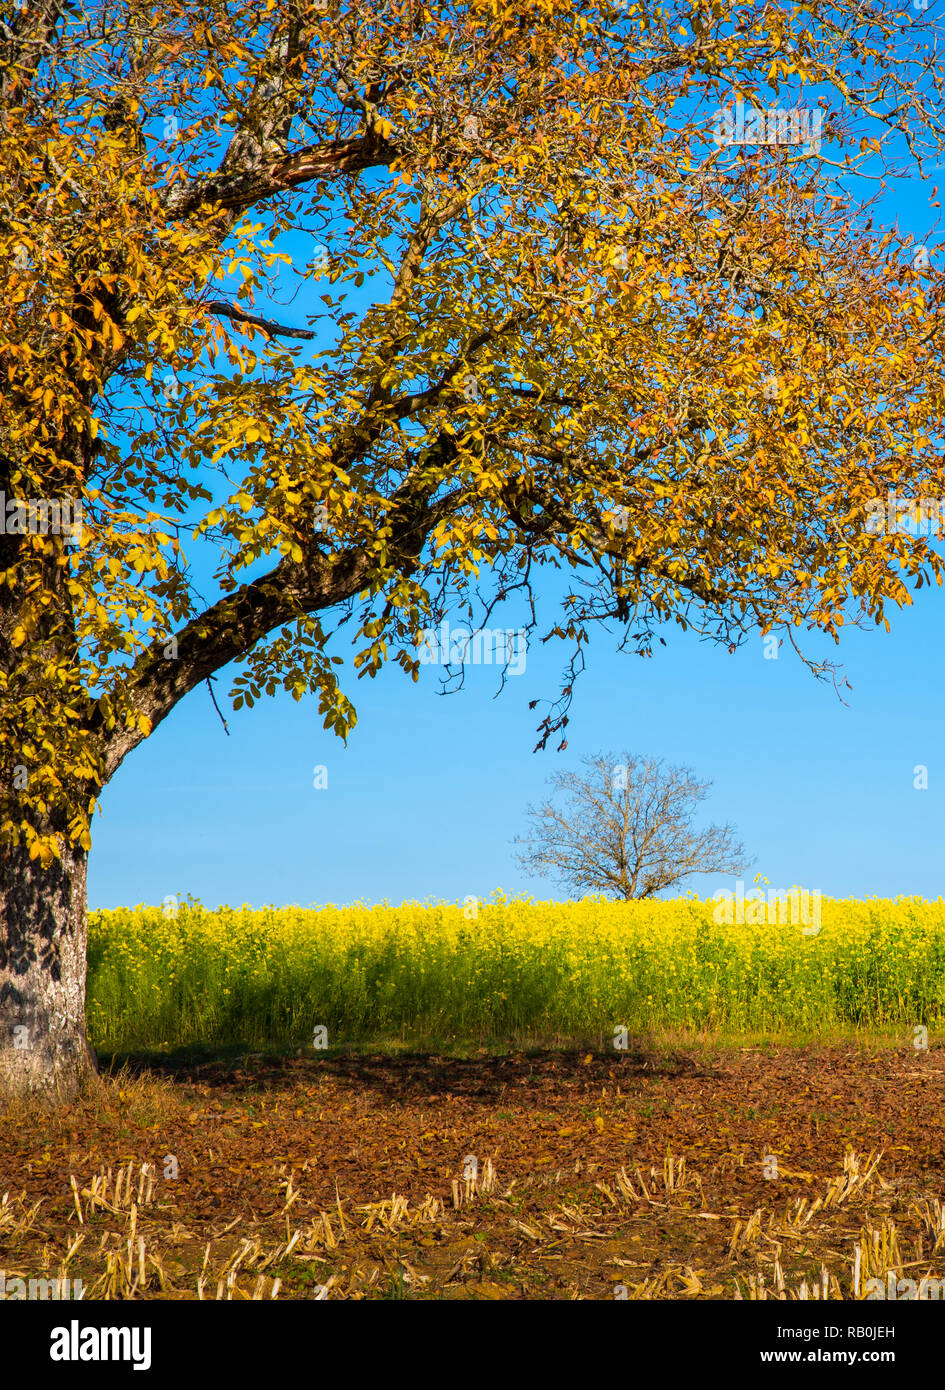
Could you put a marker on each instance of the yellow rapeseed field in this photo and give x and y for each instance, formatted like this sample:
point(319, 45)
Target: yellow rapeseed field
point(508, 968)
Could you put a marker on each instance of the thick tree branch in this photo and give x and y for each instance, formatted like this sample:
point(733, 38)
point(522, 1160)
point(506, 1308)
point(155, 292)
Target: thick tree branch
point(25, 39)
point(263, 130)
point(239, 188)
point(230, 628)
point(225, 632)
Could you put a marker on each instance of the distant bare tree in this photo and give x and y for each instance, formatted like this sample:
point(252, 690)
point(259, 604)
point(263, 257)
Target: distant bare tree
point(625, 829)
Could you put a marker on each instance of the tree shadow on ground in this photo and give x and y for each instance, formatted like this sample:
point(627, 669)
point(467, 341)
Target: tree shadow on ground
point(406, 1077)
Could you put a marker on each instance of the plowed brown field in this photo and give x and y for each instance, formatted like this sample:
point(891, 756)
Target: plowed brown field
point(546, 1175)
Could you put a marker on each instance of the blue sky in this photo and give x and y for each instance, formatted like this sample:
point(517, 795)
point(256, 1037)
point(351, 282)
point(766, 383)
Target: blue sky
point(430, 790)
point(428, 794)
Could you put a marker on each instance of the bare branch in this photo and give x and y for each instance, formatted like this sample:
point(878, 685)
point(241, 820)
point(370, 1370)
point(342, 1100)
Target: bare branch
point(230, 311)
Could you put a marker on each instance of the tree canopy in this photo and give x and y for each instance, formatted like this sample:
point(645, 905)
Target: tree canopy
point(594, 341)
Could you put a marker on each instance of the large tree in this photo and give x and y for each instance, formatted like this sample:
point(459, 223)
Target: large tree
point(673, 369)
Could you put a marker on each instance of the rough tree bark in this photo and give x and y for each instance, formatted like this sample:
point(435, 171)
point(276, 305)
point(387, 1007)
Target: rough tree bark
point(43, 1048)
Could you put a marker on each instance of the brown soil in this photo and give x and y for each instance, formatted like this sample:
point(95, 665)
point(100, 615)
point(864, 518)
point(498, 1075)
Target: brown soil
point(639, 1176)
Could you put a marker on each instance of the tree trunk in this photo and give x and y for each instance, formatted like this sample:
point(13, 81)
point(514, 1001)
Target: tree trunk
point(44, 1052)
